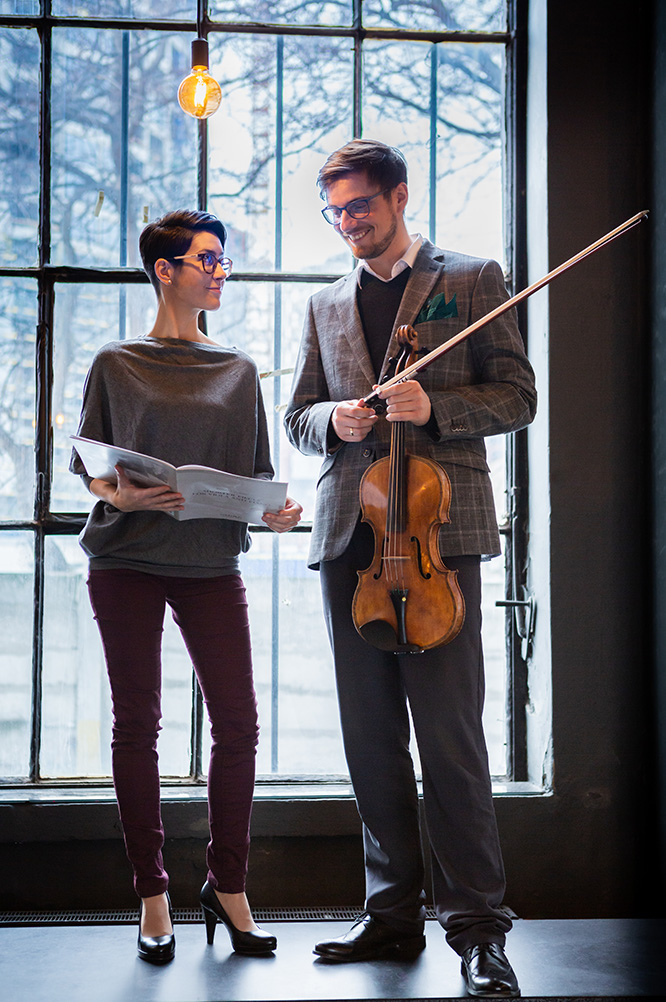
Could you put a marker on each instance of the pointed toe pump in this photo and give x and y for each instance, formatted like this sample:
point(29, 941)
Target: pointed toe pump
point(156, 949)
point(254, 942)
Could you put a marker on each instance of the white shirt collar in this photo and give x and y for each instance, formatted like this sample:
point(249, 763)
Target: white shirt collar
point(406, 261)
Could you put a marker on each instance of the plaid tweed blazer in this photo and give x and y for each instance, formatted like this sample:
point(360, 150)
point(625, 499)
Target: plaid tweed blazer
point(484, 386)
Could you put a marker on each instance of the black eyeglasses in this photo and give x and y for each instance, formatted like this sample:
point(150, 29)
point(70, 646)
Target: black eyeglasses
point(209, 261)
point(359, 208)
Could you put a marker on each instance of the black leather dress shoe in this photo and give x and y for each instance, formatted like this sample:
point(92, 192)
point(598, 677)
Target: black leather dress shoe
point(368, 939)
point(488, 973)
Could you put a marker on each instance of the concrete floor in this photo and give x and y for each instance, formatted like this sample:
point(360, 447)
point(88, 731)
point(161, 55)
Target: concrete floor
point(554, 959)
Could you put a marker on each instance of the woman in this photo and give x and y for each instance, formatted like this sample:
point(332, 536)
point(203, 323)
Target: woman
point(178, 395)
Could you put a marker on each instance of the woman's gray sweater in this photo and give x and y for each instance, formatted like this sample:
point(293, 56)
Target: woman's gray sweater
point(183, 402)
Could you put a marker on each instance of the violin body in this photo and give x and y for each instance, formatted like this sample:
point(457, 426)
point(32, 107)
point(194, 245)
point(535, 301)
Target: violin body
point(407, 600)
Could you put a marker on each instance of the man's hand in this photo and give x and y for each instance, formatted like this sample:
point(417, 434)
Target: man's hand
point(351, 422)
point(126, 497)
point(406, 401)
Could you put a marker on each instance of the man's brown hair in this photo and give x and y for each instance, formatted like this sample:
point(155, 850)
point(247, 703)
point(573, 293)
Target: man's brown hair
point(384, 165)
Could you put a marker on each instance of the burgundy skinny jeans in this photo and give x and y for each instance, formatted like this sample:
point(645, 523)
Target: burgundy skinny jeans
point(129, 607)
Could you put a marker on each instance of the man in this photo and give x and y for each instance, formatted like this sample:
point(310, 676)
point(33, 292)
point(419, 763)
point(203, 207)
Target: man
point(485, 386)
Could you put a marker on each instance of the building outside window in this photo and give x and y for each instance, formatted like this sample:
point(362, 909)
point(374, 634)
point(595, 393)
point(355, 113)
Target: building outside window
point(93, 145)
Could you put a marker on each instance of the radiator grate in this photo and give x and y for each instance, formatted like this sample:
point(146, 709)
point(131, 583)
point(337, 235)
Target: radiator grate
point(127, 916)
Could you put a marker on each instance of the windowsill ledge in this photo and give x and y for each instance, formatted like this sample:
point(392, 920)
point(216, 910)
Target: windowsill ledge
point(90, 813)
point(90, 794)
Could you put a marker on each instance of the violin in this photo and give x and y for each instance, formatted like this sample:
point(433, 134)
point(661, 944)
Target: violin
point(407, 600)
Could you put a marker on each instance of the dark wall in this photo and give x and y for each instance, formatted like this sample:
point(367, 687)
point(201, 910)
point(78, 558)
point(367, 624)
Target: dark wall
point(582, 849)
point(597, 409)
point(658, 386)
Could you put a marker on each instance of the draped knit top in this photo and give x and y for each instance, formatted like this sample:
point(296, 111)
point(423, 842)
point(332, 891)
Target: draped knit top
point(185, 402)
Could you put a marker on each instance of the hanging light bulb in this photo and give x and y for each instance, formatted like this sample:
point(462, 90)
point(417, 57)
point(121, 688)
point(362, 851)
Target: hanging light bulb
point(199, 94)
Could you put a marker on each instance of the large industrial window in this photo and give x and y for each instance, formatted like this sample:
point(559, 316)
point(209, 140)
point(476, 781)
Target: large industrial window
point(92, 146)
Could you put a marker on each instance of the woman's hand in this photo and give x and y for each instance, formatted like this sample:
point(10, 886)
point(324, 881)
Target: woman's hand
point(125, 496)
point(286, 518)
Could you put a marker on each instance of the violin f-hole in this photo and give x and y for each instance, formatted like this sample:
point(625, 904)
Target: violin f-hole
point(426, 575)
point(378, 574)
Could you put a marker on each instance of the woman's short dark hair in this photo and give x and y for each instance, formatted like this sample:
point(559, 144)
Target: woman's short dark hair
point(384, 165)
point(172, 235)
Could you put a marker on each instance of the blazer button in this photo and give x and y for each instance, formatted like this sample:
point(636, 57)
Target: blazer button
point(367, 453)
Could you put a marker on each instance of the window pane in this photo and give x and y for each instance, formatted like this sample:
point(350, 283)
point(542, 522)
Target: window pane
point(299, 471)
point(293, 670)
point(25, 7)
point(86, 317)
point(110, 178)
point(76, 713)
point(423, 15)
point(467, 157)
point(494, 621)
point(19, 146)
point(312, 75)
point(144, 9)
point(16, 611)
point(324, 12)
point(76, 716)
point(317, 120)
point(253, 317)
point(494, 656)
point(18, 320)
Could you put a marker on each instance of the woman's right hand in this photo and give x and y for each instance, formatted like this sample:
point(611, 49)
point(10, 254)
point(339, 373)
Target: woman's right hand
point(125, 496)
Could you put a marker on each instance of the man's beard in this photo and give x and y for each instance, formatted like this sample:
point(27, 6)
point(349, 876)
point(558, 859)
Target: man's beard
point(378, 248)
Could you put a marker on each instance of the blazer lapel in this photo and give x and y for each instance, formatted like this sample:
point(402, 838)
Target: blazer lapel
point(425, 273)
point(352, 328)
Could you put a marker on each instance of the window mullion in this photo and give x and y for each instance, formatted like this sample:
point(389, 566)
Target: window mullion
point(277, 365)
point(518, 617)
point(37, 658)
point(432, 221)
point(357, 100)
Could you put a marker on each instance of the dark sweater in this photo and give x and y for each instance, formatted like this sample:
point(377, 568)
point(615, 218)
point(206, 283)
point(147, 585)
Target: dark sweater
point(378, 304)
point(184, 402)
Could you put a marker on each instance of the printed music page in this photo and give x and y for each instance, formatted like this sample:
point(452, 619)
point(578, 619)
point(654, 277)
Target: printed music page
point(208, 493)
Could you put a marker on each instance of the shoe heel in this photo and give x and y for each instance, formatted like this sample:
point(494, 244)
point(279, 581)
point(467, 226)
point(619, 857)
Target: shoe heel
point(210, 919)
point(409, 949)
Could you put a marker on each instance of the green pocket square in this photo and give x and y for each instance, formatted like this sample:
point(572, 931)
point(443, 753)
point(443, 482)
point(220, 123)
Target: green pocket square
point(438, 309)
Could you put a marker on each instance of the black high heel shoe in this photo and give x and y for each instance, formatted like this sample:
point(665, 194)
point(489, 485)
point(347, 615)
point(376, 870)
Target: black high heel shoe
point(157, 949)
point(256, 941)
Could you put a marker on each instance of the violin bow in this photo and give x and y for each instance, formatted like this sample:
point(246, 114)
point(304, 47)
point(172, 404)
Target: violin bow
point(436, 353)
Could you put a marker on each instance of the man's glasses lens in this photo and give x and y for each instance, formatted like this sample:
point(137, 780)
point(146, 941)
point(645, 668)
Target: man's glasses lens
point(357, 210)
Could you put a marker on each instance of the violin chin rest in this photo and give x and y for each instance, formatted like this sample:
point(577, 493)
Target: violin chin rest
point(380, 634)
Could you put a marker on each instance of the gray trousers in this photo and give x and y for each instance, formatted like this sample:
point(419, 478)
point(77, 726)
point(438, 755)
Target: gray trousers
point(445, 691)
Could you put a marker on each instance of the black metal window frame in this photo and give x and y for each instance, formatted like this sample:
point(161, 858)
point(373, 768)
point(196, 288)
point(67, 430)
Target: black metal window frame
point(46, 523)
